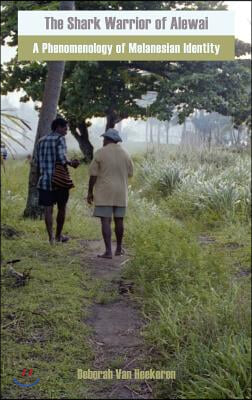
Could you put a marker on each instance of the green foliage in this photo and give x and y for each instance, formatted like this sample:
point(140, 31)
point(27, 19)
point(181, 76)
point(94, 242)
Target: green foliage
point(193, 295)
point(215, 181)
point(199, 320)
point(9, 12)
point(43, 322)
point(223, 87)
point(230, 378)
point(164, 178)
point(91, 89)
point(11, 125)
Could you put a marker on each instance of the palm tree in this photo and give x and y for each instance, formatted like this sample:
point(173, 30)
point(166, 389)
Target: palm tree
point(47, 114)
point(10, 125)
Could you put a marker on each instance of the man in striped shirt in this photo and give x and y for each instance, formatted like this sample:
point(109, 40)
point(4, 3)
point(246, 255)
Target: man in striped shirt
point(49, 150)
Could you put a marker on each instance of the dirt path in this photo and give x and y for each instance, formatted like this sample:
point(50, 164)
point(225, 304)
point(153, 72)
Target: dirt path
point(115, 322)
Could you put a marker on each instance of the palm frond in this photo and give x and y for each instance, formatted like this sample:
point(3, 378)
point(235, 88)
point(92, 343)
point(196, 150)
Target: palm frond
point(5, 135)
point(19, 126)
point(8, 127)
point(11, 149)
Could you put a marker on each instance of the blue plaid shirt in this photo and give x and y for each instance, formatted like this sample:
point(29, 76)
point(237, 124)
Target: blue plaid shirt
point(49, 150)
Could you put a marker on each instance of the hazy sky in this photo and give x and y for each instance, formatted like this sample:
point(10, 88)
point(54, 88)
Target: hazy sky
point(242, 10)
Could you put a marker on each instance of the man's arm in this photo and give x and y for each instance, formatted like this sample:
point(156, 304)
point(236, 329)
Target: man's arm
point(62, 154)
point(91, 184)
point(130, 168)
point(93, 173)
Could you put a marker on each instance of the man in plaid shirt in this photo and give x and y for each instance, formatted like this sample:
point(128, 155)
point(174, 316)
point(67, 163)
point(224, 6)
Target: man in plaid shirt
point(51, 149)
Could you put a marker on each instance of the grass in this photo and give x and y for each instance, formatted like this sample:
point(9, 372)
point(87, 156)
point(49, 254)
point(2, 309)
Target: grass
point(194, 293)
point(196, 296)
point(43, 322)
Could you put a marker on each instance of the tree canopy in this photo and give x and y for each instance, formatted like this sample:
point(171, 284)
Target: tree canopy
point(223, 87)
point(111, 88)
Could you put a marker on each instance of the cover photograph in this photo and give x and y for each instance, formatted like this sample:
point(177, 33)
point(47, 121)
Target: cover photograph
point(125, 200)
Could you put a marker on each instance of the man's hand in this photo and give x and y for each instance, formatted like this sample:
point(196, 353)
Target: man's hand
point(75, 163)
point(90, 198)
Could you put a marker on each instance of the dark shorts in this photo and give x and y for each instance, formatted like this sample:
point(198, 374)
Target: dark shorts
point(50, 197)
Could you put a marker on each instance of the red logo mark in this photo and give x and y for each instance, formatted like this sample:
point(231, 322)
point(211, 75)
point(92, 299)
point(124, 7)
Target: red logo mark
point(29, 373)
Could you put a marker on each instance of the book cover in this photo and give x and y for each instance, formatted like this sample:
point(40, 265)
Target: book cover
point(125, 199)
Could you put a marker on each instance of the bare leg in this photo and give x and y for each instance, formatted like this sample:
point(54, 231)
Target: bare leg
point(49, 222)
point(60, 221)
point(106, 233)
point(119, 229)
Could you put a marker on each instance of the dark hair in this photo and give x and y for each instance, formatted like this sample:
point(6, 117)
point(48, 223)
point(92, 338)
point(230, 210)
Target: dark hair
point(58, 122)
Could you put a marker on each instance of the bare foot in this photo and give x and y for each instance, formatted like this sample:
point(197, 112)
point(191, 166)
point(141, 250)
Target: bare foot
point(105, 255)
point(119, 252)
point(52, 240)
point(62, 239)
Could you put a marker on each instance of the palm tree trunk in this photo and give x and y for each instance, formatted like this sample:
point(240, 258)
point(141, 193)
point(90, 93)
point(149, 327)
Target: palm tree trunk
point(47, 115)
point(167, 125)
point(158, 133)
point(209, 139)
point(151, 131)
point(146, 131)
point(183, 140)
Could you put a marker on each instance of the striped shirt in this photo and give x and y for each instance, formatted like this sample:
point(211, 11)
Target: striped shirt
point(49, 150)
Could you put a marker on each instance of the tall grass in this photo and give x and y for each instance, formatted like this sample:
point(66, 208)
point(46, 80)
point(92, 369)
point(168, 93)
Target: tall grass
point(195, 301)
point(199, 316)
point(198, 311)
point(213, 182)
point(43, 322)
